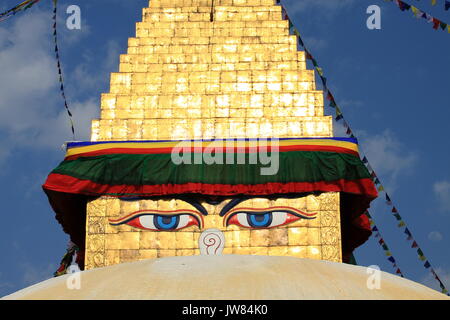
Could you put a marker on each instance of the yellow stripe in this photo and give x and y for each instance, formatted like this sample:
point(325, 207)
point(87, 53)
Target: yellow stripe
point(332, 143)
point(125, 145)
point(155, 145)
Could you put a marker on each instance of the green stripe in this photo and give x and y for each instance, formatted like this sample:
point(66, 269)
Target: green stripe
point(158, 169)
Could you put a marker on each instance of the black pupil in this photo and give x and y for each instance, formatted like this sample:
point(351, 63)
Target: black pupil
point(167, 220)
point(260, 217)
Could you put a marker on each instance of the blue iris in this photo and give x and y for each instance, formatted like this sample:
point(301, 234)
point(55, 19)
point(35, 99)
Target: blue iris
point(166, 222)
point(259, 220)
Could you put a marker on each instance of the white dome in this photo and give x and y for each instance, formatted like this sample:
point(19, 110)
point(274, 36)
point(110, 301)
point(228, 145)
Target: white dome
point(229, 277)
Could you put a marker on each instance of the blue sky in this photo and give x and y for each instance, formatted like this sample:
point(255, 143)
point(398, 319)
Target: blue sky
point(391, 84)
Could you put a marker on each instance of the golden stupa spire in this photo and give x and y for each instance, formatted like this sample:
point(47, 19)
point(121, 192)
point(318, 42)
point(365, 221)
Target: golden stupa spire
point(186, 77)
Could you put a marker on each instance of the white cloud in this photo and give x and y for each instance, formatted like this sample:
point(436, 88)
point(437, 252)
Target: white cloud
point(387, 155)
point(315, 44)
point(430, 281)
point(338, 128)
point(68, 37)
point(51, 132)
point(32, 112)
point(27, 72)
point(84, 80)
point(442, 192)
point(351, 103)
point(435, 236)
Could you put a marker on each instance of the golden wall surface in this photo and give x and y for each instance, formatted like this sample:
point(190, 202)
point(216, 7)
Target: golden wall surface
point(317, 238)
point(187, 77)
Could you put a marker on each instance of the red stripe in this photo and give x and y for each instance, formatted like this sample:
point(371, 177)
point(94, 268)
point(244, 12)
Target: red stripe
point(121, 151)
point(227, 150)
point(68, 184)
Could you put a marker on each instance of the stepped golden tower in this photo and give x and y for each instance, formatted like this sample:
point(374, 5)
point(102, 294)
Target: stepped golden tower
point(185, 76)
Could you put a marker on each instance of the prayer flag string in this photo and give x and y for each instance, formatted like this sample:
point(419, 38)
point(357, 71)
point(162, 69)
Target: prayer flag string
point(339, 116)
point(418, 13)
point(384, 245)
point(58, 62)
point(18, 8)
point(446, 3)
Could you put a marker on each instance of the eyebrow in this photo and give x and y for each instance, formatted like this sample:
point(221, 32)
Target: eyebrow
point(230, 205)
point(233, 203)
point(197, 205)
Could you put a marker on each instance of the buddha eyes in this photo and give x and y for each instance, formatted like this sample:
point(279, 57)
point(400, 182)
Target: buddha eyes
point(265, 219)
point(162, 222)
point(251, 218)
point(159, 222)
point(261, 220)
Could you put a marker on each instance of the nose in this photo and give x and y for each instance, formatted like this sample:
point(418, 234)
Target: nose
point(211, 242)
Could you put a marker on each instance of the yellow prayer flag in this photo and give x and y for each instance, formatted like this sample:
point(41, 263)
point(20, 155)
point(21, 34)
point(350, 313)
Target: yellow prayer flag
point(433, 2)
point(320, 71)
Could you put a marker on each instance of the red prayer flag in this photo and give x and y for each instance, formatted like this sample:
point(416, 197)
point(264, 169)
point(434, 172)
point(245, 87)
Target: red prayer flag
point(436, 23)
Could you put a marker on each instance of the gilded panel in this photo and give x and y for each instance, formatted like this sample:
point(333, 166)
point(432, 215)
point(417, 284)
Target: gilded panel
point(154, 228)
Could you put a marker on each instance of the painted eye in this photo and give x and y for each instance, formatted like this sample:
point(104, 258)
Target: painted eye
point(265, 219)
point(158, 222)
point(260, 220)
